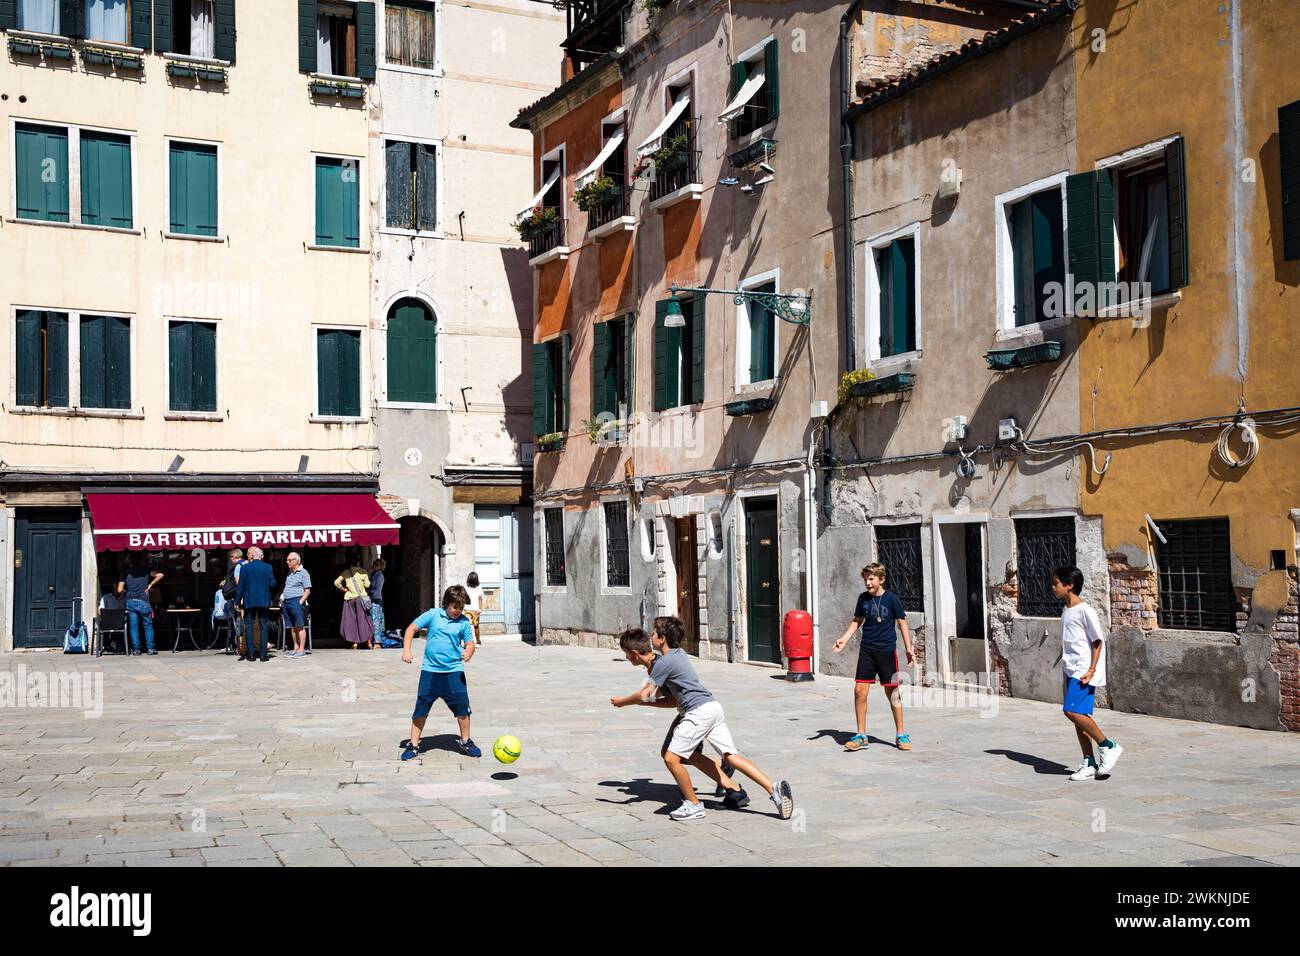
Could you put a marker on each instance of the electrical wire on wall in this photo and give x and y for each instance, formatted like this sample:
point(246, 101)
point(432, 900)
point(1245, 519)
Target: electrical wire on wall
point(1033, 448)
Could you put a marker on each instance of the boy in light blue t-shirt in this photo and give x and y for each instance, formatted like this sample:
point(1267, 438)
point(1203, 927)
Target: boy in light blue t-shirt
point(450, 643)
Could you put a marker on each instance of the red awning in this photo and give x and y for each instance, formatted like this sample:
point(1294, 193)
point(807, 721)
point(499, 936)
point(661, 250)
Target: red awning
point(149, 522)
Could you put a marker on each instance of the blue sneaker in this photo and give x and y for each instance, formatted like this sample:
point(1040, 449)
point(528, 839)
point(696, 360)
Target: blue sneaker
point(856, 742)
point(469, 748)
point(410, 752)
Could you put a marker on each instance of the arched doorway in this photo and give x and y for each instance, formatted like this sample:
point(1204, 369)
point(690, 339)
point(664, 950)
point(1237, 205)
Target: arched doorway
point(414, 577)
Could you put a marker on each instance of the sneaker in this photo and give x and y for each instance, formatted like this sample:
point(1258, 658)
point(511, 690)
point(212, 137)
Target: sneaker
point(857, 742)
point(152, 652)
point(688, 811)
point(1109, 757)
point(469, 748)
point(736, 800)
point(904, 741)
point(783, 798)
point(720, 790)
point(409, 753)
point(1087, 770)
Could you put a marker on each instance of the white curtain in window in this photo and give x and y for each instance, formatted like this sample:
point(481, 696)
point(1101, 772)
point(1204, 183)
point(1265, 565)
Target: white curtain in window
point(653, 141)
point(201, 35)
point(41, 16)
point(106, 20)
point(324, 45)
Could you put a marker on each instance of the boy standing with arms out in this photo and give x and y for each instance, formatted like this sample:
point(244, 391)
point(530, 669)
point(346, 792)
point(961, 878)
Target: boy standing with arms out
point(877, 613)
point(1083, 659)
point(700, 718)
point(449, 645)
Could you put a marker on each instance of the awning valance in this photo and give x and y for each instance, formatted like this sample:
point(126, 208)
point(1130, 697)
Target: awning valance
point(742, 97)
point(532, 203)
point(147, 522)
point(588, 175)
point(652, 142)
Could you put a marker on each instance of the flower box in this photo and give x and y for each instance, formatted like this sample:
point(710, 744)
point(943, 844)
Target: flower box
point(900, 382)
point(1001, 360)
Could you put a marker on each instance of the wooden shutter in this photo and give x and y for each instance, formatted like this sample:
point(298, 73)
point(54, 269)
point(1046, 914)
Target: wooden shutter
point(1288, 142)
point(56, 359)
point(327, 372)
point(204, 366)
point(180, 366)
point(566, 350)
point(28, 368)
point(349, 372)
point(541, 403)
point(8, 15)
point(307, 36)
point(412, 353)
point(1090, 210)
point(106, 180)
point(337, 203)
point(426, 192)
point(599, 368)
point(897, 324)
point(93, 358)
point(117, 362)
point(1176, 184)
point(697, 349)
point(142, 23)
point(162, 27)
point(739, 73)
point(772, 81)
point(365, 40)
point(1048, 254)
point(72, 18)
point(397, 185)
point(223, 39)
point(36, 198)
point(629, 364)
point(193, 189)
point(1022, 242)
point(665, 360)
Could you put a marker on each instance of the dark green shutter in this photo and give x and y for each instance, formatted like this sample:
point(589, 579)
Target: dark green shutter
point(412, 354)
point(307, 36)
point(117, 362)
point(337, 203)
point(629, 365)
point(106, 180)
point(142, 23)
point(541, 396)
point(397, 184)
point(365, 17)
point(349, 372)
point(1048, 251)
point(566, 350)
point(599, 368)
point(204, 365)
point(327, 372)
point(1090, 210)
point(94, 356)
point(72, 18)
point(1176, 183)
point(762, 335)
point(772, 81)
point(162, 27)
point(1021, 262)
point(193, 189)
point(739, 73)
point(1288, 141)
point(27, 341)
point(665, 359)
point(223, 41)
point(426, 179)
point(697, 349)
point(180, 361)
point(34, 147)
point(8, 15)
point(56, 359)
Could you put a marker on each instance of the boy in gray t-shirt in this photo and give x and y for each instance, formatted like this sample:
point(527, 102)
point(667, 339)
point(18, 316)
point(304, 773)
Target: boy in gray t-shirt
point(674, 683)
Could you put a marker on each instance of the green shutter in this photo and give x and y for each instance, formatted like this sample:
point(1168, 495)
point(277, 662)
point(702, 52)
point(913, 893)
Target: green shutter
point(28, 370)
point(1022, 272)
point(665, 359)
point(903, 253)
point(8, 15)
point(117, 363)
point(1048, 250)
point(223, 40)
point(42, 172)
point(193, 189)
point(739, 73)
point(365, 17)
point(106, 180)
point(412, 354)
point(541, 393)
point(142, 23)
point(180, 361)
point(697, 349)
point(307, 36)
point(629, 365)
point(566, 351)
point(56, 360)
point(1176, 184)
point(94, 357)
point(1288, 140)
point(599, 368)
point(204, 364)
point(772, 81)
point(327, 371)
point(337, 203)
point(1090, 210)
point(762, 335)
point(72, 18)
point(426, 192)
point(397, 185)
point(349, 372)
point(162, 27)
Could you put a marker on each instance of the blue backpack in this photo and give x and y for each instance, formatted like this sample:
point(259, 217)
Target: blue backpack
point(76, 640)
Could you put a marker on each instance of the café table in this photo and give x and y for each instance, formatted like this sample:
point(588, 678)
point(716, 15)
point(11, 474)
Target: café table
point(183, 619)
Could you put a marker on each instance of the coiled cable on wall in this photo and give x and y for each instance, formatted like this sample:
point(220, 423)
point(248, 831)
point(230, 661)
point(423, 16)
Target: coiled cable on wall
point(1249, 438)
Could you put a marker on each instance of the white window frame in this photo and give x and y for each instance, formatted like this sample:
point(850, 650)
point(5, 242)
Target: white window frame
point(743, 335)
point(381, 43)
point(74, 408)
point(605, 586)
point(381, 353)
point(1005, 259)
point(362, 372)
point(544, 586)
point(317, 74)
point(74, 175)
point(871, 291)
point(756, 52)
point(169, 414)
point(363, 246)
point(439, 192)
point(167, 188)
point(560, 153)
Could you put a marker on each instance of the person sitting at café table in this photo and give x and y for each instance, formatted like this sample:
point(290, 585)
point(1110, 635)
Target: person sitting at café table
point(293, 603)
point(256, 581)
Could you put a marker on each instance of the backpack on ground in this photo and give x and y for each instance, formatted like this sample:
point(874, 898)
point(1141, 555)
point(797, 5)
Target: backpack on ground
point(391, 639)
point(77, 638)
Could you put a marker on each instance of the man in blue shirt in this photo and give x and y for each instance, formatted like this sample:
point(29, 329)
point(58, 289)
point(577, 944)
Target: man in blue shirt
point(256, 581)
point(135, 584)
point(449, 644)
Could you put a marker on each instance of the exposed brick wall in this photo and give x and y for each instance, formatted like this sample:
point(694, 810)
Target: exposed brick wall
point(1132, 594)
point(1285, 653)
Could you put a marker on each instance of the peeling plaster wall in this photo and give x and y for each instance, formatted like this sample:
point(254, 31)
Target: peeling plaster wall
point(887, 43)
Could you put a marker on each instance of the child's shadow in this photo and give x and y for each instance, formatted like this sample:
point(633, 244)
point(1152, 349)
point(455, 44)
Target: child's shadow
point(643, 790)
point(1039, 764)
point(439, 742)
point(842, 737)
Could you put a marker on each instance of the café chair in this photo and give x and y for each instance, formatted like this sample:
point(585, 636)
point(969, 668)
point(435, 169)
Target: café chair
point(110, 623)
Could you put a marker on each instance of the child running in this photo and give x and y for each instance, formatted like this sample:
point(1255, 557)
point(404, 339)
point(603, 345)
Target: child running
point(673, 682)
point(877, 613)
point(449, 645)
point(1083, 659)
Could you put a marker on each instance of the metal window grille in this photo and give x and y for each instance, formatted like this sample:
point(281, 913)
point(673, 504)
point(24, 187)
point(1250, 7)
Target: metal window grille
point(555, 546)
point(1042, 546)
point(898, 548)
point(1195, 576)
point(617, 574)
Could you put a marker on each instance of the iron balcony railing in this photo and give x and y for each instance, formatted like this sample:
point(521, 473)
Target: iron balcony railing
point(547, 238)
point(681, 168)
point(608, 209)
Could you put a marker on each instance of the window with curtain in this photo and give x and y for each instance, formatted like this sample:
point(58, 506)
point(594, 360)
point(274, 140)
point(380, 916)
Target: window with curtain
point(39, 16)
point(409, 33)
point(108, 20)
point(194, 27)
point(336, 39)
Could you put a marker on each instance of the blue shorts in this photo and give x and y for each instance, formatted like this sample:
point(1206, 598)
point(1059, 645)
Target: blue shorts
point(1079, 698)
point(294, 616)
point(450, 687)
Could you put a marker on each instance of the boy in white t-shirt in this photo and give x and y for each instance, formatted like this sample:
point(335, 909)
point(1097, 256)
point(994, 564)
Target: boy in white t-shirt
point(1083, 657)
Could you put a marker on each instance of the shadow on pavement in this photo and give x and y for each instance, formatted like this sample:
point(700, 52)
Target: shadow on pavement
point(842, 737)
point(644, 790)
point(440, 742)
point(1039, 764)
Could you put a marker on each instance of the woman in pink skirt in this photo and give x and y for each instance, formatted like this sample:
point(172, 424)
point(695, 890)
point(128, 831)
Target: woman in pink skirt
point(355, 585)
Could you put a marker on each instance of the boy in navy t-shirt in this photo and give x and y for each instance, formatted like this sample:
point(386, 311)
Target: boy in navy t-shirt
point(448, 646)
point(877, 613)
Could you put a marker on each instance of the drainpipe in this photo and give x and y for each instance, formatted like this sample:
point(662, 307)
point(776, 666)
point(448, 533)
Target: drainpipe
point(810, 549)
point(846, 163)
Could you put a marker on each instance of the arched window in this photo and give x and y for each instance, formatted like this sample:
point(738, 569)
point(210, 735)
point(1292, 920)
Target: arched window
point(412, 353)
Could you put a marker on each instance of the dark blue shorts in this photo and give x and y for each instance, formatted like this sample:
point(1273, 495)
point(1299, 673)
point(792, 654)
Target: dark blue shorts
point(1079, 698)
point(450, 687)
point(294, 616)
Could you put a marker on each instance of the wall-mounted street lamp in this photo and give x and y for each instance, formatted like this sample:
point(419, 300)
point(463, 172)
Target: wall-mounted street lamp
point(796, 309)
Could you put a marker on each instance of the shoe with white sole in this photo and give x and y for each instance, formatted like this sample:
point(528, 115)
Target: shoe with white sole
point(1087, 770)
point(783, 798)
point(688, 811)
point(1109, 757)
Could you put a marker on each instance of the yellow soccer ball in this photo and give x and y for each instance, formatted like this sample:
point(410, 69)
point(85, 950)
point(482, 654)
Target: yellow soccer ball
point(507, 749)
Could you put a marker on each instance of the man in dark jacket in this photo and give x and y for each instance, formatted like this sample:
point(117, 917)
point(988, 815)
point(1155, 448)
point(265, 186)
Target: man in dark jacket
point(256, 581)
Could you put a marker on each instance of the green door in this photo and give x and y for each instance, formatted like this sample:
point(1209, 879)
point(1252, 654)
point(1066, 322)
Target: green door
point(763, 593)
point(47, 575)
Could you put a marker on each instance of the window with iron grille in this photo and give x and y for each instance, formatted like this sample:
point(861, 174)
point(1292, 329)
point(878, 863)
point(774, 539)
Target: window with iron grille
point(1194, 565)
point(554, 518)
point(617, 574)
point(898, 548)
point(1042, 546)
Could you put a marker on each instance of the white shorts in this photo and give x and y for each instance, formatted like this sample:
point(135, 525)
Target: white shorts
point(705, 723)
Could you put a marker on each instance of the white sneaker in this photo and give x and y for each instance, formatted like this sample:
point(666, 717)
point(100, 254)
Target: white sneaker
point(783, 798)
point(688, 811)
point(1109, 757)
point(1086, 771)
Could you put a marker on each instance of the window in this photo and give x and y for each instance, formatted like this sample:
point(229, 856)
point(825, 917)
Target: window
point(617, 574)
point(409, 32)
point(898, 548)
point(754, 99)
point(756, 337)
point(1143, 224)
point(1037, 254)
point(410, 186)
point(41, 170)
point(192, 189)
point(554, 541)
point(106, 180)
point(338, 202)
point(338, 373)
point(336, 39)
point(551, 386)
point(412, 357)
point(107, 20)
point(679, 354)
point(1194, 569)
point(192, 366)
point(193, 28)
point(1042, 546)
point(611, 368)
point(892, 292)
point(39, 16)
point(1288, 142)
point(41, 353)
point(105, 361)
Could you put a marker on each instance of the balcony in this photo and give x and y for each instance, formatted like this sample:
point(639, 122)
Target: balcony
point(610, 216)
point(677, 169)
point(548, 242)
point(595, 27)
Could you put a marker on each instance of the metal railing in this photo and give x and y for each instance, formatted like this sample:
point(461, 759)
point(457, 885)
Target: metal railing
point(681, 168)
point(547, 238)
point(608, 209)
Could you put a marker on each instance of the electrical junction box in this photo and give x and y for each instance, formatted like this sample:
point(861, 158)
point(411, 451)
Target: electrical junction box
point(818, 410)
point(1007, 429)
point(957, 428)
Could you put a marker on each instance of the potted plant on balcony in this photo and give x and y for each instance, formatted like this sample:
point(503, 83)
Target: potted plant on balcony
point(537, 221)
point(551, 441)
point(850, 379)
point(672, 155)
point(596, 193)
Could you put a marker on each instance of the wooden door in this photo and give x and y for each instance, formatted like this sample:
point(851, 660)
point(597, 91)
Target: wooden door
point(688, 596)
